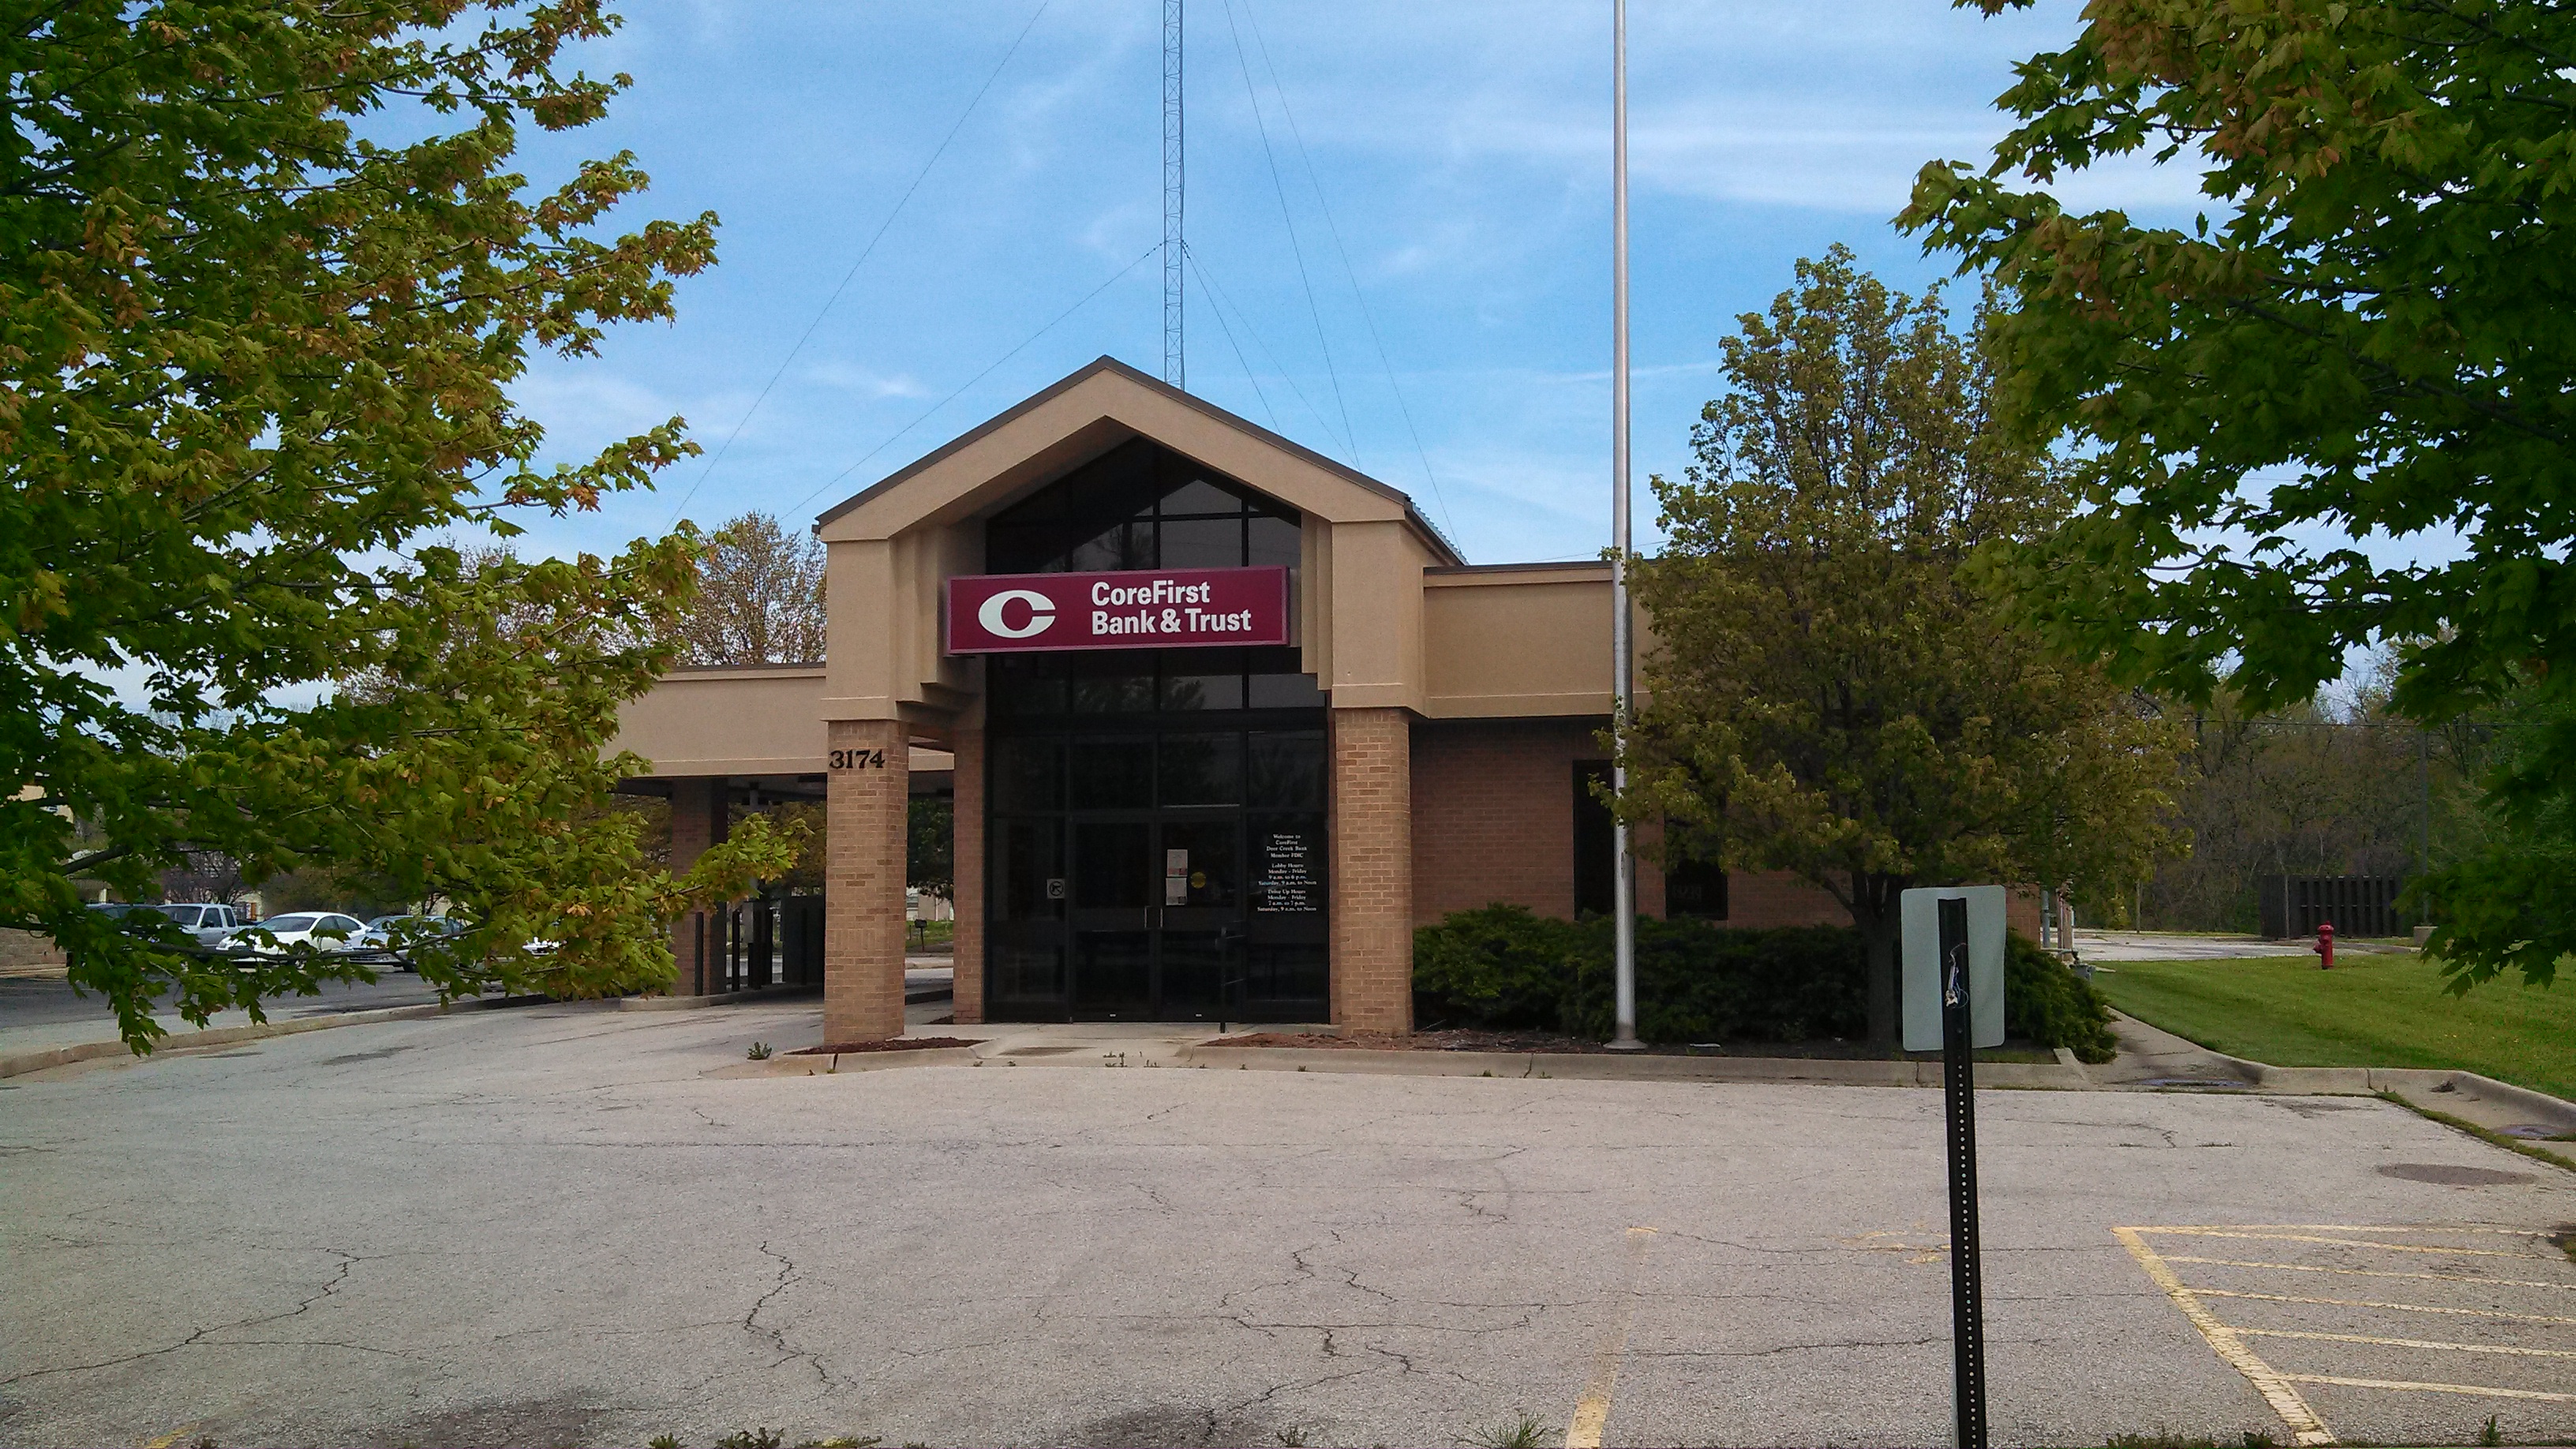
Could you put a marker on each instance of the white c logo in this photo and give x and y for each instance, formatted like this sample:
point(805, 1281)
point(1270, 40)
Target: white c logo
point(1041, 614)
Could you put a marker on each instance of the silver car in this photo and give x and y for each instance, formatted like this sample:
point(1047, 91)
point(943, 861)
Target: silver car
point(389, 938)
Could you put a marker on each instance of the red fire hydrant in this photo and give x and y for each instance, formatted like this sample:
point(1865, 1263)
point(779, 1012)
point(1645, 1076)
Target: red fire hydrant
point(2324, 946)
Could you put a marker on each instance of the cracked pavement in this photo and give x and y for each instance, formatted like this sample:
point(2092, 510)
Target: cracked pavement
point(545, 1226)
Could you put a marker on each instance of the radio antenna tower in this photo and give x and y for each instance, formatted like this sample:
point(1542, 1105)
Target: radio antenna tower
point(1175, 371)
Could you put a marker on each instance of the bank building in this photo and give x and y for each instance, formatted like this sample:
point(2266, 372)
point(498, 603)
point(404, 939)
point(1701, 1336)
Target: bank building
point(1222, 721)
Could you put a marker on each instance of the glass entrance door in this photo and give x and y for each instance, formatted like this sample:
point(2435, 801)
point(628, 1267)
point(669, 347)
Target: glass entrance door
point(1156, 918)
point(1155, 840)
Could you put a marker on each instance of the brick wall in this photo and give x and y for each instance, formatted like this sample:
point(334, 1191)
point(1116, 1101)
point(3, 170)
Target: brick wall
point(699, 818)
point(863, 923)
point(968, 783)
point(1778, 898)
point(1493, 813)
point(1372, 869)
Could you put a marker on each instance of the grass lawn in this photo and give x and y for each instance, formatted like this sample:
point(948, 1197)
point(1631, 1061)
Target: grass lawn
point(2370, 1011)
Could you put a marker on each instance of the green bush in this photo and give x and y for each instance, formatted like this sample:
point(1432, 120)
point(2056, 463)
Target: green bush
point(1504, 968)
point(2044, 1002)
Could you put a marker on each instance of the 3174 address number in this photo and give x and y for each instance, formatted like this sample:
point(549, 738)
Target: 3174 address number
point(858, 759)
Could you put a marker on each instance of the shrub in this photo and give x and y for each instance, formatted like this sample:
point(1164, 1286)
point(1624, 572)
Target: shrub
point(1505, 968)
point(2047, 1003)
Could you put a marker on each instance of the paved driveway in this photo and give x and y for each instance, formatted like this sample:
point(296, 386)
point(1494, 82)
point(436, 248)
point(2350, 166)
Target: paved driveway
point(543, 1226)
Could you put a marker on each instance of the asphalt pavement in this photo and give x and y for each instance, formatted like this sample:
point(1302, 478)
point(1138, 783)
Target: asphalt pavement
point(549, 1226)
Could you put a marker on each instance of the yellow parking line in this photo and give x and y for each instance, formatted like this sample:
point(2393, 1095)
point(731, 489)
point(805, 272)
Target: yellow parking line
point(2410, 1342)
point(2373, 1273)
point(2432, 1388)
point(173, 1437)
point(2398, 1307)
point(1592, 1408)
point(2305, 1427)
point(2350, 1243)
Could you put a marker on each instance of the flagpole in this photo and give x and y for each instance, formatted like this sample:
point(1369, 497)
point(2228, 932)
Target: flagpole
point(1623, 902)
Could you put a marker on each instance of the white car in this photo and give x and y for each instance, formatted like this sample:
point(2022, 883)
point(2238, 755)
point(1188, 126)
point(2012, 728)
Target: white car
point(210, 924)
point(323, 930)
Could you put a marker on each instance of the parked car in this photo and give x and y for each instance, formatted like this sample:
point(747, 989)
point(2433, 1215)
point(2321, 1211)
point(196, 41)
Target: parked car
point(390, 937)
point(208, 922)
point(323, 930)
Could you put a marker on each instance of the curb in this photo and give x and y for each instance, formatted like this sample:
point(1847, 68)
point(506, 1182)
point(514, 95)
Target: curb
point(839, 1063)
point(21, 1063)
point(2405, 1081)
point(1586, 1066)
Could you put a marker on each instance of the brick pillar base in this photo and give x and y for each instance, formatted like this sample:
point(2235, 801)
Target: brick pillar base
point(700, 817)
point(968, 856)
point(863, 872)
point(1372, 885)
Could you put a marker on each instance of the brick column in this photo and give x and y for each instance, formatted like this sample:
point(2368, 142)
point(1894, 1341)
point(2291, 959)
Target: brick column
point(968, 780)
point(863, 881)
point(700, 817)
point(1372, 885)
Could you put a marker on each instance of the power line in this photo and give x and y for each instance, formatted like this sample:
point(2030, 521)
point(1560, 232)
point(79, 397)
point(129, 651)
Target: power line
point(1350, 438)
point(1228, 329)
point(866, 252)
point(1060, 317)
point(1175, 196)
point(1225, 299)
point(1334, 229)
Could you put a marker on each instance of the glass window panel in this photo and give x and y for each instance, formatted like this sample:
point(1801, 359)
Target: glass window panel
point(1276, 684)
point(1202, 543)
point(1289, 972)
point(1286, 769)
point(1028, 775)
point(1119, 546)
point(1199, 863)
point(1120, 683)
point(1028, 869)
point(1272, 542)
point(1197, 968)
point(1113, 973)
point(1113, 865)
point(1287, 875)
point(1198, 495)
point(1199, 679)
point(1026, 684)
point(1026, 972)
point(1112, 774)
point(1202, 769)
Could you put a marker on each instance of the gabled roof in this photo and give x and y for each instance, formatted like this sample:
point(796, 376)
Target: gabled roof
point(1111, 367)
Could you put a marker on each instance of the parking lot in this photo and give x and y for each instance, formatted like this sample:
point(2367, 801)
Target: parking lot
point(546, 1226)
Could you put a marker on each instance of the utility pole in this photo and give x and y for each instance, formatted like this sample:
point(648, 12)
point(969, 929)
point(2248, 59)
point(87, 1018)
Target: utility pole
point(1623, 892)
point(1175, 371)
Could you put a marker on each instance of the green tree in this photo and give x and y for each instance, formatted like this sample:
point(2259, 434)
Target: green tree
point(2367, 340)
point(760, 597)
point(1831, 696)
point(265, 280)
point(930, 847)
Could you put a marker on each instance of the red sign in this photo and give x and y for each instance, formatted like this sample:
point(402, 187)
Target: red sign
point(1136, 609)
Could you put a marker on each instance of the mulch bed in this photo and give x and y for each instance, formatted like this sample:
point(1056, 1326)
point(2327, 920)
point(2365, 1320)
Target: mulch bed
point(904, 1044)
point(1421, 1041)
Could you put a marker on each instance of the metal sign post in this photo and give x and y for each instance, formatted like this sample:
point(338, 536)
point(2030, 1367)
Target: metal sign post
point(1954, 1000)
point(1959, 1087)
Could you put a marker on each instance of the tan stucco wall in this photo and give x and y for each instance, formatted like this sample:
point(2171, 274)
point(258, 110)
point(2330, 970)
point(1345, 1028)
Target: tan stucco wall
point(754, 721)
point(1518, 640)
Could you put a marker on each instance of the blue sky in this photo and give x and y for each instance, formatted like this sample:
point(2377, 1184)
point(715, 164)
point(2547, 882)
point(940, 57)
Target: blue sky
point(1462, 276)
